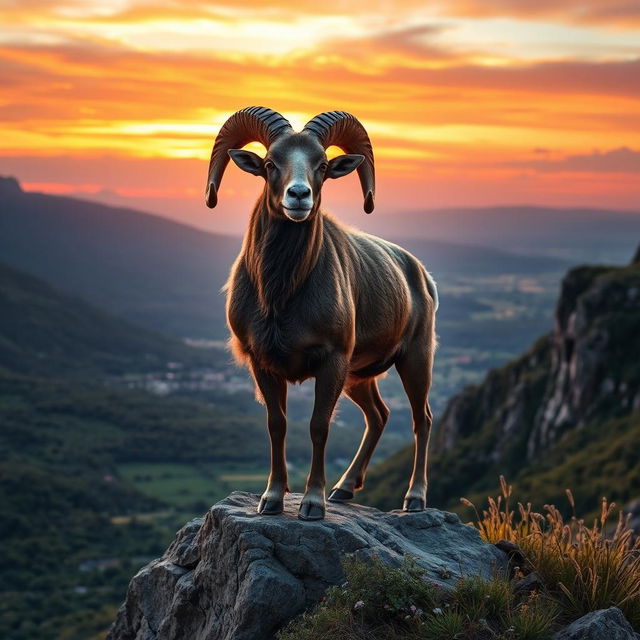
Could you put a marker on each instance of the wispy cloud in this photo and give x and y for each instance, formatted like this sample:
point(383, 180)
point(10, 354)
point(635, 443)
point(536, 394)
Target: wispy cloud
point(624, 14)
point(621, 160)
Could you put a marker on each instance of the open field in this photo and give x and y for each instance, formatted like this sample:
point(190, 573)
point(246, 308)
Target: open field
point(191, 489)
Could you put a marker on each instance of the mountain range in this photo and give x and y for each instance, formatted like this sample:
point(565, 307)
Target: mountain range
point(580, 235)
point(167, 276)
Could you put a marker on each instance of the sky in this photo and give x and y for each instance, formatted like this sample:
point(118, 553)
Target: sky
point(467, 102)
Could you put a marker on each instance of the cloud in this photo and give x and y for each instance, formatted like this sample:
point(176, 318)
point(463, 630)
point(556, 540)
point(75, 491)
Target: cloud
point(90, 97)
point(621, 160)
point(624, 14)
point(589, 78)
point(409, 43)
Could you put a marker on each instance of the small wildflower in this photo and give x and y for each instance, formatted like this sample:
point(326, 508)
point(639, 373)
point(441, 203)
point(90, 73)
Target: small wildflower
point(419, 612)
point(386, 606)
point(413, 608)
point(487, 597)
point(511, 629)
point(358, 605)
point(407, 617)
point(344, 585)
point(438, 611)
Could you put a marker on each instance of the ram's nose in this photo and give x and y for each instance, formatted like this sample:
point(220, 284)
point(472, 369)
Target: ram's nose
point(299, 191)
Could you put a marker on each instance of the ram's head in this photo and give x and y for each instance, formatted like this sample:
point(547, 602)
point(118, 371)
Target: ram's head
point(295, 165)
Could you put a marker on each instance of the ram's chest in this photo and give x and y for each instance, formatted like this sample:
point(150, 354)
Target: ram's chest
point(283, 343)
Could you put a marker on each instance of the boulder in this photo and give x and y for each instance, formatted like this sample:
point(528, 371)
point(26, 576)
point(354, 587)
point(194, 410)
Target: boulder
point(238, 575)
point(604, 624)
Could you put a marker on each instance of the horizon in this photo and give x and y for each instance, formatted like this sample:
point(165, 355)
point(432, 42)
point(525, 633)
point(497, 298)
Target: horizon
point(468, 104)
point(445, 238)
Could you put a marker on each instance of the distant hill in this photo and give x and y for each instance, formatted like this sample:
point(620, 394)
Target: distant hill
point(451, 259)
point(575, 234)
point(48, 333)
point(564, 415)
point(168, 276)
point(156, 273)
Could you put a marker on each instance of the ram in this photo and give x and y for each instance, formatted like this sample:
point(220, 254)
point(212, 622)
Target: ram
point(311, 298)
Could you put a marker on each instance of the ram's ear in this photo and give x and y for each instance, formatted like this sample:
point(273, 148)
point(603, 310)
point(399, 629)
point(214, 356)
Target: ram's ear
point(344, 165)
point(248, 161)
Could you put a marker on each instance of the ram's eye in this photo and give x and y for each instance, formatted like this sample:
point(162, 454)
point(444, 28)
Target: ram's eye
point(323, 167)
point(268, 165)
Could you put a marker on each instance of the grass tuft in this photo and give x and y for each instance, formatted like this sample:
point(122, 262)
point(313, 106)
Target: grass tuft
point(583, 568)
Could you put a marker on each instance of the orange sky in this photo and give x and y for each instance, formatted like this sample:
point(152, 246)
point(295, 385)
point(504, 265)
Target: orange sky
point(468, 102)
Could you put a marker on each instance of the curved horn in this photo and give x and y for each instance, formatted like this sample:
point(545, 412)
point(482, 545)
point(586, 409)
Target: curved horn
point(345, 131)
point(252, 124)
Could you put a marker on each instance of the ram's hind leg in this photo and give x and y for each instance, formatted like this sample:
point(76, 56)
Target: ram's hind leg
point(367, 396)
point(415, 369)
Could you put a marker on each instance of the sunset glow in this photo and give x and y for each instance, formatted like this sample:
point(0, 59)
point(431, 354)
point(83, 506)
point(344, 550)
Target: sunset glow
point(467, 102)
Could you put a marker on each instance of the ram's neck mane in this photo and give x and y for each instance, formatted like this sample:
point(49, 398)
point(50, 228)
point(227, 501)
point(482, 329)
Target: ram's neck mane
point(279, 255)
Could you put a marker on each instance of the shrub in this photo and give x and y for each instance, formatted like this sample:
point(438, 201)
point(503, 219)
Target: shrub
point(378, 602)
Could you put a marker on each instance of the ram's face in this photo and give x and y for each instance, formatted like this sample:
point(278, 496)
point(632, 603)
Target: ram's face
point(295, 169)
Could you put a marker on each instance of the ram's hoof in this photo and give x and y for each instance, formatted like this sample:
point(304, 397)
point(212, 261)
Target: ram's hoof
point(340, 495)
point(311, 511)
point(414, 504)
point(270, 506)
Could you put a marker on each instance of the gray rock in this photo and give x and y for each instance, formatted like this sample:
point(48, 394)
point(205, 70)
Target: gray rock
point(531, 582)
point(517, 559)
point(604, 624)
point(237, 575)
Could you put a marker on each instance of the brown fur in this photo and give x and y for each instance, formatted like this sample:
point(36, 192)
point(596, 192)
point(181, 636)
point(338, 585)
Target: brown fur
point(316, 299)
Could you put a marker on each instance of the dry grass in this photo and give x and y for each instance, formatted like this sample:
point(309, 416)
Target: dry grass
point(583, 567)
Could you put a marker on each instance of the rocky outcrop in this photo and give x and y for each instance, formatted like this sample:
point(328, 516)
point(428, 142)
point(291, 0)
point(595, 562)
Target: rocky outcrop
point(569, 377)
point(507, 398)
point(596, 332)
point(604, 624)
point(237, 575)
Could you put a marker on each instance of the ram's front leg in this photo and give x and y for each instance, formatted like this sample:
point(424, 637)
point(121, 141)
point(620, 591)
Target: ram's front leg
point(274, 392)
point(329, 383)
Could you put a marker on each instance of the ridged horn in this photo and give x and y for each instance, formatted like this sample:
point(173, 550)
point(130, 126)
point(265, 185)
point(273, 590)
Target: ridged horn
point(251, 124)
point(345, 131)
